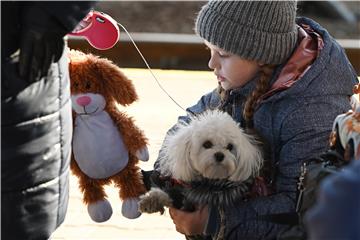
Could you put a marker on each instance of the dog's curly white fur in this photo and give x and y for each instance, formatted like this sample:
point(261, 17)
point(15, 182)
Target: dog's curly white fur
point(212, 146)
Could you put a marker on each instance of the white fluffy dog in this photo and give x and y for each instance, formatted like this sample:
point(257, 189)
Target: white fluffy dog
point(212, 146)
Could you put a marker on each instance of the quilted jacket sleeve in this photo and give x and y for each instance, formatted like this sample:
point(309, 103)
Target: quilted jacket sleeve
point(36, 128)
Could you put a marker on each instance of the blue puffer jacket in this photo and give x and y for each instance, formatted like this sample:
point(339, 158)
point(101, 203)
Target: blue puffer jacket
point(36, 128)
point(296, 124)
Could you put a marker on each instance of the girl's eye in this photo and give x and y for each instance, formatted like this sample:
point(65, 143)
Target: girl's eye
point(229, 147)
point(207, 144)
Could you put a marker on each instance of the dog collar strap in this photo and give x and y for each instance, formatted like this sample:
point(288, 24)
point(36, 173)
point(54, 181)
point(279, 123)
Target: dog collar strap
point(218, 192)
point(179, 182)
point(174, 182)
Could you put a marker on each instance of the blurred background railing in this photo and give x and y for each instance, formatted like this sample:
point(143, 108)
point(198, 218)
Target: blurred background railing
point(176, 51)
point(163, 30)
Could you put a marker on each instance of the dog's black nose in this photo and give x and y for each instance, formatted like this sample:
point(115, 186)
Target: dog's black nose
point(219, 156)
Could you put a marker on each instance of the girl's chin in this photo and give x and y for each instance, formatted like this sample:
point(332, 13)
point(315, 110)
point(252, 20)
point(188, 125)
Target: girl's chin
point(225, 85)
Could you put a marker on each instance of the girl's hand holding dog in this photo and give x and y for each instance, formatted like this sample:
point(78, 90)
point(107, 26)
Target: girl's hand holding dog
point(190, 223)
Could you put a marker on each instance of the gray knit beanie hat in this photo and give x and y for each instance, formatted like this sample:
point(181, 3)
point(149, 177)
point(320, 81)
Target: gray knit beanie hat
point(263, 31)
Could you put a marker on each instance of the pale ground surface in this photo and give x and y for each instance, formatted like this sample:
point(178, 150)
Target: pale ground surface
point(155, 113)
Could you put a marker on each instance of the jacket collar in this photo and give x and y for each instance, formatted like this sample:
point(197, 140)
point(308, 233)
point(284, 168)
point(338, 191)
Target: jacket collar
point(309, 47)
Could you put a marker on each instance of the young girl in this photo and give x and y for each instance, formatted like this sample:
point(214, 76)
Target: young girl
point(282, 76)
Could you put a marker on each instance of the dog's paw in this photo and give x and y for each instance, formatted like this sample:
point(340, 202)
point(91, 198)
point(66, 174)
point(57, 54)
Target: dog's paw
point(154, 201)
point(143, 154)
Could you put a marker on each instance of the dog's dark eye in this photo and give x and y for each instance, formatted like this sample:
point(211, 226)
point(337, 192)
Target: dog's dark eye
point(207, 144)
point(229, 147)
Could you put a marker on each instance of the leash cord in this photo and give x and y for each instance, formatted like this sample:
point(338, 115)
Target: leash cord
point(147, 65)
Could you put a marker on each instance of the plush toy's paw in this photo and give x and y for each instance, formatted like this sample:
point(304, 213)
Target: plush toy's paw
point(154, 201)
point(129, 208)
point(143, 154)
point(100, 211)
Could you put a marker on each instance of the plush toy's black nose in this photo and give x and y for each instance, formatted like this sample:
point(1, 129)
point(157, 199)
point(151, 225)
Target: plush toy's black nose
point(219, 156)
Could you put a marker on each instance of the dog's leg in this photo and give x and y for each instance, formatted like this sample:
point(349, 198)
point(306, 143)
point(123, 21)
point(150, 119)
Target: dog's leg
point(154, 201)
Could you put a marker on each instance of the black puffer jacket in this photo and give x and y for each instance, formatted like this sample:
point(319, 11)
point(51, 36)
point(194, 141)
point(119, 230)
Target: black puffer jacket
point(36, 130)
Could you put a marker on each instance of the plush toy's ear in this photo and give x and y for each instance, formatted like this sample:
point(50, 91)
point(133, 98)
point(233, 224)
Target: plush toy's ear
point(116, 84)
point(175, 159)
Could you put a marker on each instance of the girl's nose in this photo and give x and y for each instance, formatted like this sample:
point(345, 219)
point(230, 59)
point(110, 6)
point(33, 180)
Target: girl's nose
point(83, 100)
point(212, 62)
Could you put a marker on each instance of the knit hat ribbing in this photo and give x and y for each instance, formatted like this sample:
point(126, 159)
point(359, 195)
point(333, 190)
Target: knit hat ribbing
point(264, 31)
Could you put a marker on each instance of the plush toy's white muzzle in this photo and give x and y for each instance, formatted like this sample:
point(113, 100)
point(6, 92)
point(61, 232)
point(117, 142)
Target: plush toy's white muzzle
point(88, 103)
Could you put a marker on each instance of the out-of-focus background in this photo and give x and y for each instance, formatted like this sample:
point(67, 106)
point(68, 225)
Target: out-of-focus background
point(163, 31)
point(339, 17)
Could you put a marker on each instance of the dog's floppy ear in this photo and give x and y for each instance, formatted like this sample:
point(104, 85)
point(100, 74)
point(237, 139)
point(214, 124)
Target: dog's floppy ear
point(116, 84)
point(176, 155)
point(249, 157)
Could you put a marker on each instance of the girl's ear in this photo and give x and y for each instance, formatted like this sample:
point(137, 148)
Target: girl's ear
point(116, 84)
point(176, 155)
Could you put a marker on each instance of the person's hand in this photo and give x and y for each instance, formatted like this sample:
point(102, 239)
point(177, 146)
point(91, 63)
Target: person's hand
point(41, 43)
point(190, 223)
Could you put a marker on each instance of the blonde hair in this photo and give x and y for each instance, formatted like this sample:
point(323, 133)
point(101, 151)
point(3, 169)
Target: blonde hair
point(262, 87)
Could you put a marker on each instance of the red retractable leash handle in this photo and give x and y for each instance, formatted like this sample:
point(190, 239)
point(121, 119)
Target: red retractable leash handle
point(99, 29)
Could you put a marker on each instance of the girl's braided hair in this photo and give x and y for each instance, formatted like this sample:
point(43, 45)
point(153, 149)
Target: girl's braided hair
point(262, 87)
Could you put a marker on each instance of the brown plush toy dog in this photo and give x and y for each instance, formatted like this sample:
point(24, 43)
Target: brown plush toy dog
point(106, 143)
